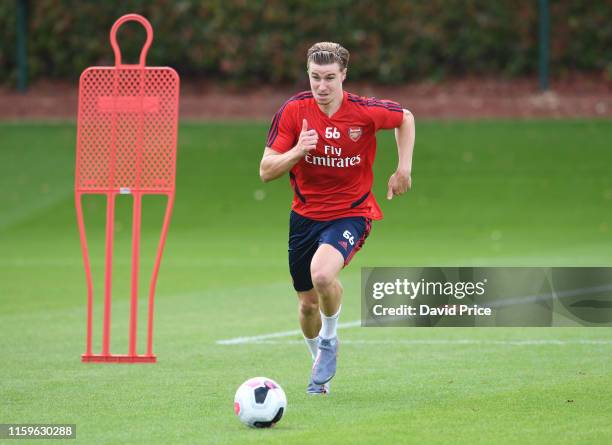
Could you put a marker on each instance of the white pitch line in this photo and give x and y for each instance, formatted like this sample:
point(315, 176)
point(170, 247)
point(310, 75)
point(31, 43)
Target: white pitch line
point(257, 338)
point(506, 302)
point(265, 339)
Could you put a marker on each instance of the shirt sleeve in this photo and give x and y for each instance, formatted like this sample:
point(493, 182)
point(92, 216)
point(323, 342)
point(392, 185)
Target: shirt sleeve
point(386, 114)
point(282, 134)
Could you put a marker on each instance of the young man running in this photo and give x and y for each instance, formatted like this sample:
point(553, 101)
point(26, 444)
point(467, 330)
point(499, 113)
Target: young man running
point(326, 139)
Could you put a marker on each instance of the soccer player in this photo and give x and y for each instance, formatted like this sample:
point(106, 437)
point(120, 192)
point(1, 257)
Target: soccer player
point(326, 139)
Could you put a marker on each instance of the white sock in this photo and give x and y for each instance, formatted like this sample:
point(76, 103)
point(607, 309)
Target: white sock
point(329, 324)
point(312, 345)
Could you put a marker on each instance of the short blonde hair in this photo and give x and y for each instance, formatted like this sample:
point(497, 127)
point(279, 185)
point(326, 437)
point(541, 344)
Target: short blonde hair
point(326, 53)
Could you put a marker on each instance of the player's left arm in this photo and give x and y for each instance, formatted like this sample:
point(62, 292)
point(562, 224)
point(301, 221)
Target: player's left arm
point(401, 180)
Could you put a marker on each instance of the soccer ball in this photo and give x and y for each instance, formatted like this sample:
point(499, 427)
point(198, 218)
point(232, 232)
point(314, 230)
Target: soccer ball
point(260, 402)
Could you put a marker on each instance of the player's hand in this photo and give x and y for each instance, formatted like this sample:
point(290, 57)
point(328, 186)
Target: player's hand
point(399, 183)
point(307, 141)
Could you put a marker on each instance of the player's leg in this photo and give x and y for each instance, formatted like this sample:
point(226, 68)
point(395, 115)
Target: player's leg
point(303, 243)
point(304, 237)
point(338, 243)
point(325, 267)
point(310, 322)
point(308, 299)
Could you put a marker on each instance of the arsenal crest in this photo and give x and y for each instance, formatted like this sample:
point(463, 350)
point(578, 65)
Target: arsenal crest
point(354, 133)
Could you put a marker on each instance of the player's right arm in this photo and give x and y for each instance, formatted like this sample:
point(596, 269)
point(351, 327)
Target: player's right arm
point(274, 164)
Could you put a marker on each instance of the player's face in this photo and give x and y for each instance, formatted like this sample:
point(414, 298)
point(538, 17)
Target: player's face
point(326, 82)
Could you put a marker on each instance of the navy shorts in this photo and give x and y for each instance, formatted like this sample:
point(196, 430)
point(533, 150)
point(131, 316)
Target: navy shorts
point(347, 235)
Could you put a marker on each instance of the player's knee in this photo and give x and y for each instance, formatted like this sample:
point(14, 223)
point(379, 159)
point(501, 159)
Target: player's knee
point(309, 308)
point(322, 279)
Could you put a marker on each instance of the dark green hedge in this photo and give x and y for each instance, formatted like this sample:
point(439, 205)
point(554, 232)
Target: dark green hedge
point(248, 41)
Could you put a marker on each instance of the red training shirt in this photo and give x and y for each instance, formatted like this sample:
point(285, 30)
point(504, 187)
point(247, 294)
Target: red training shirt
point(334, 180)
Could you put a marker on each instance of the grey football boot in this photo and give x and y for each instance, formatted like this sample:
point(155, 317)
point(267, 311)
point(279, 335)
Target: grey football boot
point(324, 367)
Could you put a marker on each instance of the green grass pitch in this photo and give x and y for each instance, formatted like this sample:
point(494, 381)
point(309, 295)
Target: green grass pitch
point(531, 193)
